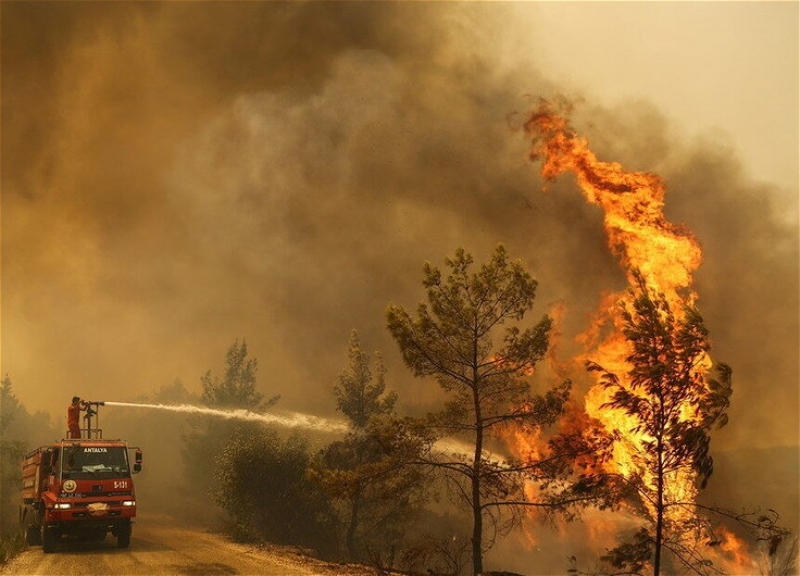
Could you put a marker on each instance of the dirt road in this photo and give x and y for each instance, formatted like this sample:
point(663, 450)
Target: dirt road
point(160, 547)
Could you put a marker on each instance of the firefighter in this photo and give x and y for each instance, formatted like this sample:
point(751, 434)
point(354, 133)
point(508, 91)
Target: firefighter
point(74, 415)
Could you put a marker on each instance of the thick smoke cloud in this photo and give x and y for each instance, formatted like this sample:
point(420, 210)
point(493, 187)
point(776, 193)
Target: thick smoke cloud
point(190, 189)
point(177, 175)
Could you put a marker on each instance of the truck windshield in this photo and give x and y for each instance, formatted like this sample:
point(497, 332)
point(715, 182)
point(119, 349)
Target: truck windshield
point(81, 462)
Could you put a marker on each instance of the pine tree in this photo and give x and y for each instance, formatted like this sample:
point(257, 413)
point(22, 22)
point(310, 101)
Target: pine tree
point(467, 336)
point(236, 389)
point(369, 473)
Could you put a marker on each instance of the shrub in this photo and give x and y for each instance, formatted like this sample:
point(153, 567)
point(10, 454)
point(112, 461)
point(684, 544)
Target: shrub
point(262, 482)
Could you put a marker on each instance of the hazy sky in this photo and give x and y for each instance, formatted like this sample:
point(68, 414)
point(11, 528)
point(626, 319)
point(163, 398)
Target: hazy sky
point(726, 68)
point(179, 175)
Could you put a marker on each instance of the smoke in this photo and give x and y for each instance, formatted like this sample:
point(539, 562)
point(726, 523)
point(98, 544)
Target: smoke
point(179, 175)
point(288, 420)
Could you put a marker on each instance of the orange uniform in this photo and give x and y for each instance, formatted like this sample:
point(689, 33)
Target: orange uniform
point(74, 419)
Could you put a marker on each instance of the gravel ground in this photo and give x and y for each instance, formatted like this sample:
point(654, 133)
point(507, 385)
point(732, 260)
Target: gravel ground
point(160, 547)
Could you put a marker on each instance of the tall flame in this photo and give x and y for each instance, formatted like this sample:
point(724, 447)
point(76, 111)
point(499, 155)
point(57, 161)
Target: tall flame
point(632, 202)
point(638, 233)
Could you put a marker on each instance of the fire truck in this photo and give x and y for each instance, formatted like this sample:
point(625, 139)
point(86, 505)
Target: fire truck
point(79, 488)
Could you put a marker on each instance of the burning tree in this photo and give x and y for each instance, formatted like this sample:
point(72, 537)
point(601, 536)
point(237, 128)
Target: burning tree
point(454, 338)
point(670, 409)
point(369, 473)
point(654, 393)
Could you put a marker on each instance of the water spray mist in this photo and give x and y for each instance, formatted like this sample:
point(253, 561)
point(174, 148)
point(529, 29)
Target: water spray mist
point(287, 419)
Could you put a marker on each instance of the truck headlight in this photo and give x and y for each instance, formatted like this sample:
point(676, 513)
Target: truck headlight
point(129, 502)
point(62, 505)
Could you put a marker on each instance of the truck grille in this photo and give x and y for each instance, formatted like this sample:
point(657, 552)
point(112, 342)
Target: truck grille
point(85, 504)
point(86, 514)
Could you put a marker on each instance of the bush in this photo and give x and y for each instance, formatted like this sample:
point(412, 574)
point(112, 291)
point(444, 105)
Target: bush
point(262, 482)
point(11, 545)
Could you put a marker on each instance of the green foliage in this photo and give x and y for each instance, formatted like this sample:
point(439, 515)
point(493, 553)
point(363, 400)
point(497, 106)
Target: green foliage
point(261, 481)
point(633, 556)
point(468, 336)
point(237, 388)
point(11, 544)
point(454, 336)
point(174, 393)
point(451, 337)
point(11, 453)
point(9, 404)
point(361, 394)
point(19, 432)
point(375, 488)
point(368, 474)
point(209, 435)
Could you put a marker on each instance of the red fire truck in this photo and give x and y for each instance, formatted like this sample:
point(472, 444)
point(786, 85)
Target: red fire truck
point(80, 488)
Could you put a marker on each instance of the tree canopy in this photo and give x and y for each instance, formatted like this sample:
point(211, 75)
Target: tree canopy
point(470, 335)
point(368, 474)
point(237, 387)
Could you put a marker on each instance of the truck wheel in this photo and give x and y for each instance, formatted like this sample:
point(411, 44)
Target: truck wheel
point(33, 536)
point(124, 535)
point(49, 539)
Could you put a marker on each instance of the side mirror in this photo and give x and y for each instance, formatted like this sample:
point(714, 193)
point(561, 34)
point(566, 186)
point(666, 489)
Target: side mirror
point(137, 466)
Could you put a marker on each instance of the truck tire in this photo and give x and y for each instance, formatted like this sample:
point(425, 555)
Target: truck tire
point(124, 535)
point(33, 535)
point(49, 539)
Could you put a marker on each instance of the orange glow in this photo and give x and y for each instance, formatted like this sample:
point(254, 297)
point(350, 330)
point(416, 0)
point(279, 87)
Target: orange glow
point(639, 235)
point(632, 203)
point(504, 363)
point(736, 554)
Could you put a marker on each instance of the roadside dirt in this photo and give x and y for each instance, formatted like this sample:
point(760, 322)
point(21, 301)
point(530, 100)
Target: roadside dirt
point(160, 547)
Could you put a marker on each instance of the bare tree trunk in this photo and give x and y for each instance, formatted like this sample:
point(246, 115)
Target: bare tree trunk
point(477, 527)
point(659, 511)
point(351, 528)
point(477, 508)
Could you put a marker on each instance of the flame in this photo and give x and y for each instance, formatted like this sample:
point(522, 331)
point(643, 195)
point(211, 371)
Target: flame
point(501, 362)
point(560, 368)
point(640, 236)
point(638, 232)
point(737, 555)
point(527, 444)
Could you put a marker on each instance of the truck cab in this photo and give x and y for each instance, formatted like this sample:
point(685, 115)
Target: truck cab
point(79, 488)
